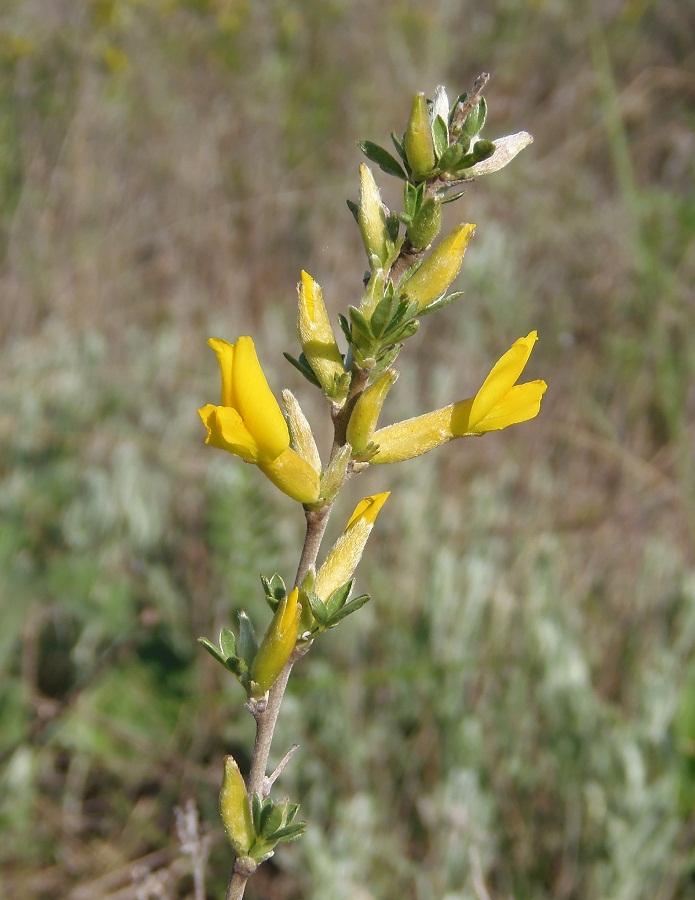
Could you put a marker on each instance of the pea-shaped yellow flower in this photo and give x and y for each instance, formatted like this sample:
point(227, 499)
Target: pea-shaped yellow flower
point(250, 424)
point(499, 402)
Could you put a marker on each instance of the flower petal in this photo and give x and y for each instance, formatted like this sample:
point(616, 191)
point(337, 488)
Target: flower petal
point(521, 403)
point(226, 431)
point(293, 475)
point(255, 402)
point(503, 375)
point(225, 357)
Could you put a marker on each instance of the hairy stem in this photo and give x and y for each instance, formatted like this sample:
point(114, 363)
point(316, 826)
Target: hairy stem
point(316, 522)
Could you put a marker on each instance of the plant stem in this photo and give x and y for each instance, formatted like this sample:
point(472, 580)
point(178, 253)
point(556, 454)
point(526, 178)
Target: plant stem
point(316, 522)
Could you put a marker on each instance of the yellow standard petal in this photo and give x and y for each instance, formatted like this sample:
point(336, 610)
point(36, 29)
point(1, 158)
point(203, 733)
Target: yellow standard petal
point(225, 357)
point(347, 551)
point(521, 403)
point(255, 402)
point(503, 375)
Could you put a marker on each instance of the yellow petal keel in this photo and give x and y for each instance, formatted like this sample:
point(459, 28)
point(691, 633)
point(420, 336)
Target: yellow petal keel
point(294, 476)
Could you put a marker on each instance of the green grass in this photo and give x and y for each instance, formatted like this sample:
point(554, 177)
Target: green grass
point(511, 712)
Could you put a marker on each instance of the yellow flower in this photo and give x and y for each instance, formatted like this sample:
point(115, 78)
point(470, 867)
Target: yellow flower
point(347, 551)
point(499, 402)
point(250, 424)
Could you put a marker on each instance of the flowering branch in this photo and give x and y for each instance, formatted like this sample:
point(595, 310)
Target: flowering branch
point(441, 148)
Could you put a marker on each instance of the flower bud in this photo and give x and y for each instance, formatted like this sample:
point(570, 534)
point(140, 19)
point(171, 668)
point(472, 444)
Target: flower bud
point(418, 143)
point(365, 415)
point(301, 436)
point(277, 644)
point(439, 270)
point(235, 810)
point(372, 220)
point(317, 338)
point(347, 551)
point(425, 226)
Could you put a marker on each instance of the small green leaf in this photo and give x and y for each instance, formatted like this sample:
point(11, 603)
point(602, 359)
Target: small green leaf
point(382, 315)
point(360, 322)
point(248, 645)
point(256, 808)
point(271, 820)
point(354, 209)
point(227, 643)
point(212, 650)
point(406, 331)
point(382, 158)
point(317, 606)
point(347, 610)
point(289, 833)
point(302, 365)
point(291, 812)
point(345, 327)
point(400, 149)
point(440, 136)
point(338, 598)
point(451, 158)
point(440, 303)
point(453, 197)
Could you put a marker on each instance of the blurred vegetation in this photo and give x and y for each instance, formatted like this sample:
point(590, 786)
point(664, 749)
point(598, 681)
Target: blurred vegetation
point(513, 714)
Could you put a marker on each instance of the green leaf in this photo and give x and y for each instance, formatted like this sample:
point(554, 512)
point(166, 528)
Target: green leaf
point(248, 645)
point(471, 126)
point(400, 149)
point(354, 209)
point(406, 331)
point(302, 365)
point(453, 197)
point(382, 158)
point(348, 610)
point(345, 327)
point(451, 158)
point(289, 833)
point(482, 114)
point(338, 598)
point(212, 650)
point(227, 643)
point(393, 224)
point(440, 303)
point(440, 136)
point(360, 322)
point(382, 315)
point(272, 817)
point(317, 606)
point(256, 808)
point(291, 812)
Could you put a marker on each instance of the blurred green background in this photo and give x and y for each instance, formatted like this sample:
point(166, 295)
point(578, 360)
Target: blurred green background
point(513, 715)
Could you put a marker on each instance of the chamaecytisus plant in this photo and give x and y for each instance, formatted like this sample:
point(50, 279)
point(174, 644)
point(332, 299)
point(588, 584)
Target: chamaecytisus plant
point(441, 149)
